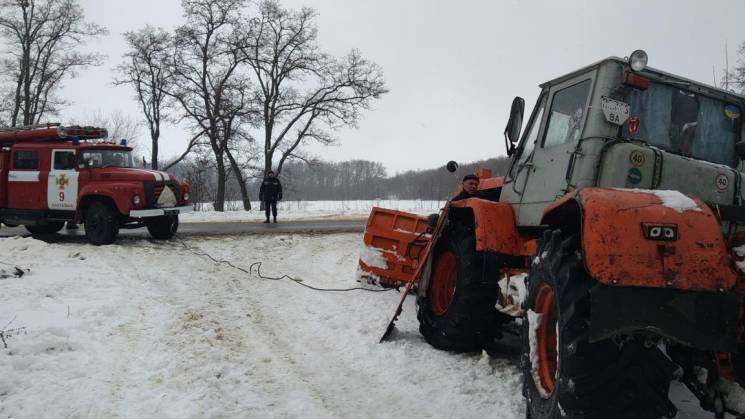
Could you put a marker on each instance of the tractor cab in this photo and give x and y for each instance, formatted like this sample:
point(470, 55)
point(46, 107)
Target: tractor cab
point(618, 123)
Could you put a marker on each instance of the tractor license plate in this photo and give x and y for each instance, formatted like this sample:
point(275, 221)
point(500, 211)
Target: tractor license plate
point(170, 212)
point(615, 111)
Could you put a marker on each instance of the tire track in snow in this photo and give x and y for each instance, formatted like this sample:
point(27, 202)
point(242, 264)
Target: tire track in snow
point(129, 338)
point(314, 361)
point(205, 319)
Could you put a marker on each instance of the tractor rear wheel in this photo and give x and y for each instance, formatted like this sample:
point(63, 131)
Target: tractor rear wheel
point(564, 374)
point(49, 228)
point(456, 312)
point(163, 227)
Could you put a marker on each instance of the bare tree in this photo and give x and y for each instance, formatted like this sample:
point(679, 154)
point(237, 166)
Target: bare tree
point(208, 85)
point(147, 68)
point(41, 38)
point(304, 94)
point(119, 125)
point(734, 77)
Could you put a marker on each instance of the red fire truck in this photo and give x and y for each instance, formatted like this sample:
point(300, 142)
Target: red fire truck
point(51, 174)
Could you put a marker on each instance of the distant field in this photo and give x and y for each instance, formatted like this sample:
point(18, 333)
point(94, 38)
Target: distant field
point(304, 210)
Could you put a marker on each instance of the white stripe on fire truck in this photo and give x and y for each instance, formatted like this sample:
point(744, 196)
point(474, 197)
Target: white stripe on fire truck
point(155, 174)
point(23, 176)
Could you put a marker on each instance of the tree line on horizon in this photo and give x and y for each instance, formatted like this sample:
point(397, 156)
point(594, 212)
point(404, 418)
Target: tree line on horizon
point(346, 180)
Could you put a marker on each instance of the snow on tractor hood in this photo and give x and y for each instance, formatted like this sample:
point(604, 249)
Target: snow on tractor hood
point(128, 173)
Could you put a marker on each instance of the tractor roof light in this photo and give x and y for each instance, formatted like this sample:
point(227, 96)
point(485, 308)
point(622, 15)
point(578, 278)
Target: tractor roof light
point(638, 60)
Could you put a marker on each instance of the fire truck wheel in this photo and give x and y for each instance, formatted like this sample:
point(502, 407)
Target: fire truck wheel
point(49, 228)
point(101, 224)
point(456, 313)
point(163, 227)
point(564, 374)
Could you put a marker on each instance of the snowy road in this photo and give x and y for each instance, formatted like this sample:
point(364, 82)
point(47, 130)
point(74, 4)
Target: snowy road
point(153, 330)
point(227, 228)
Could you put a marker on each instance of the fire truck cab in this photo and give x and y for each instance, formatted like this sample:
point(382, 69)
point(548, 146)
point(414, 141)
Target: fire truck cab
point(50, 174)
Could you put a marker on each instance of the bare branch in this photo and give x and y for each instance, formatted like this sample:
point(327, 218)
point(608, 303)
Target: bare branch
point(42, 36)
point(302, 90)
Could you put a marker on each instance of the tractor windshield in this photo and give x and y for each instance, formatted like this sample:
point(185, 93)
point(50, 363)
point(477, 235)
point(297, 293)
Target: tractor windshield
point(685, 123)
point(107, 158)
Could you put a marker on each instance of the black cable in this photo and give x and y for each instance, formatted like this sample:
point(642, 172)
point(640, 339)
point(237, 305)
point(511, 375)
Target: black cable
point(278, 278)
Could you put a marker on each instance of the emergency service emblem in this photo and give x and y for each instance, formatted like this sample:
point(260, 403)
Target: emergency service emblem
point(62, 181)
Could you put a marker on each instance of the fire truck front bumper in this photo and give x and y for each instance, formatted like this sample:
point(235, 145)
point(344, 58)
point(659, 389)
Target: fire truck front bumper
point(157, 212)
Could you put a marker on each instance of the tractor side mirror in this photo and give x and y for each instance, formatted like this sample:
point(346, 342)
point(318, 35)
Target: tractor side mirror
point(514, 124)
point(740, 149)
point(452, 166)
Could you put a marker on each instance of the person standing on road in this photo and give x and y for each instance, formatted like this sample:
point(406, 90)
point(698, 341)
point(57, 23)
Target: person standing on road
point(269, 193)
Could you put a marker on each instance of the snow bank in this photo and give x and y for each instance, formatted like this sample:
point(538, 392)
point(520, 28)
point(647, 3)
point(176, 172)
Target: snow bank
point(147, 329)
point(304, 210)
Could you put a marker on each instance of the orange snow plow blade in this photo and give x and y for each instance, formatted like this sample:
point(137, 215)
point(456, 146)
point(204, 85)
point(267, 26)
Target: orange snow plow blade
point(394, 244)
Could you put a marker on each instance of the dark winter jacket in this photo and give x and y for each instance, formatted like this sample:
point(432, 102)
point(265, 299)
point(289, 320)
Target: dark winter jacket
point(466, 195)
point(271, 190)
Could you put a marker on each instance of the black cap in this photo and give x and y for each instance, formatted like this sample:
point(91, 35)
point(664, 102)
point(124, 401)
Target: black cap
point(470, 176)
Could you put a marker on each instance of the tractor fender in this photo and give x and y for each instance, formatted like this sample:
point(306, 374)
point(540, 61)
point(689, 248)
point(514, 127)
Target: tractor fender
point(495, 227)
point(645, 238)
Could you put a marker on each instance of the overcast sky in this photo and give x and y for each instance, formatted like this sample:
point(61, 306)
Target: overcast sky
point(452, 67)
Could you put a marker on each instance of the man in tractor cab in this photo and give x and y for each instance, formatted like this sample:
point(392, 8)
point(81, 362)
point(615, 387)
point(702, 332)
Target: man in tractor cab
point(470, 187)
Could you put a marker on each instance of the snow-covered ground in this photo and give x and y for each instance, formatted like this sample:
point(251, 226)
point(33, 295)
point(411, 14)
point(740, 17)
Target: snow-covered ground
point(307, 210)
point(147, 329)
point(152, 330)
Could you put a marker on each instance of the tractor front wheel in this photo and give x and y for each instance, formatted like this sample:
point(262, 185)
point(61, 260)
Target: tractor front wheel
point(456, 312)
point(564, 374)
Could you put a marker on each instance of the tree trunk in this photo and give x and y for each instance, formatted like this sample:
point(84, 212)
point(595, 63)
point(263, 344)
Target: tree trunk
point(241, 181)
point(154, 156)
point(219, 203)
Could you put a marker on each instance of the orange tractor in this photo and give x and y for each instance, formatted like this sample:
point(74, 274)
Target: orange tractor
point(613, 239)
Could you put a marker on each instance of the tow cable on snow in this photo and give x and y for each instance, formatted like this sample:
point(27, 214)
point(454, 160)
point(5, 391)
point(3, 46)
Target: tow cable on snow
point(257, 265)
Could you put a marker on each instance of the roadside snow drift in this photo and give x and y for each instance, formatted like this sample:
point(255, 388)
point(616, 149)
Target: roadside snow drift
point(309, 210)
point(148, 329)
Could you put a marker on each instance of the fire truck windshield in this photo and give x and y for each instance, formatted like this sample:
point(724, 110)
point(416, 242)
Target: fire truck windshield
point(685, 123)
point(107, 158)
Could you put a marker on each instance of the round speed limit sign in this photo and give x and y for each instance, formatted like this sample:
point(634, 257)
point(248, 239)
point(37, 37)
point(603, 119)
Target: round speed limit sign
point(722, 182)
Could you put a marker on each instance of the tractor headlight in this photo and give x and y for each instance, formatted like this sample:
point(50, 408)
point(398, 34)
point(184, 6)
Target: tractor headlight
point(136, 199)
point(638, 60)
point(186, 196)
